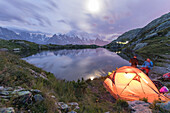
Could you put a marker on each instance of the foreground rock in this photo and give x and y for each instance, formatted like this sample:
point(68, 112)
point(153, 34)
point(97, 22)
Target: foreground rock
point(3, 49)
point(7, 110)
point(140, 45)
point(139, 107)
point(165, 106)
point(63, 107)
point(19, 97)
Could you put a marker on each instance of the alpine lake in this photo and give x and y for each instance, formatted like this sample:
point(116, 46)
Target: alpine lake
point(74, 64)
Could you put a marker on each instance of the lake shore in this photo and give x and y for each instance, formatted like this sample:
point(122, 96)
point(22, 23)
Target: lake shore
point(20, 79)
point(24, 87)
point(90, 95)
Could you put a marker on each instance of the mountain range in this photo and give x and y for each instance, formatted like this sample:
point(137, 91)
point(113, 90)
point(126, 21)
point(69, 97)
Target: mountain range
point(73, 37)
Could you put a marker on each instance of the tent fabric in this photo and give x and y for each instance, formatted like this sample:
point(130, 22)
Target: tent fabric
point(130, 83)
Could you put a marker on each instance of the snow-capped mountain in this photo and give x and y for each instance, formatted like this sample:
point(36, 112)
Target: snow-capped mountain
point(8, 34)
point(64, 39)
point(32, 37)
point(83, 35)
point(67, 39)
point(73, 37)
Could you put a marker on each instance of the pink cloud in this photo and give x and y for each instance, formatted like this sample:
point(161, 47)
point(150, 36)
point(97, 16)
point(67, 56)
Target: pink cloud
point(94, 24)
point(106, 17)
point(111, 21)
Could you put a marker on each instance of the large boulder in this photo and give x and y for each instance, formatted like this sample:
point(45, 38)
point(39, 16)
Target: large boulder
point(165, 106)
point(5, 93)
point(150, 36)
point(23, 98)
point(139, 46)
point(35, 91)
point(22, 93)
point(3, 49)
point(130, 35)
point(16, 49)
point(168, 34)
point(38, 98)
point(139, 107)
point(7, 110)
point(163, 26)
point(62, 105)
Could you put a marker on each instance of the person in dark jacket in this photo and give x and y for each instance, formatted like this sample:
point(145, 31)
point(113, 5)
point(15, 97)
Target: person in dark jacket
point(147, 65)
point(134, 61)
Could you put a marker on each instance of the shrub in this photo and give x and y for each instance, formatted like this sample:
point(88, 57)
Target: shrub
point(144, 99)
point(122, 103)
point(156, 108)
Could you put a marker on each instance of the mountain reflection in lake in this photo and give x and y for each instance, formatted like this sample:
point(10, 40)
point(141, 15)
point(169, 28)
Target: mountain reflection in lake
point(76, 64)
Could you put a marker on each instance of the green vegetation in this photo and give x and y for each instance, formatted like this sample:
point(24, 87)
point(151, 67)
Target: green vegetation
point(156, 107)
point(91, 95)
point(156, 45)
point(11, 44)
point(144, 99)
point(27, 48)
point(121, 106)
point(26, 45)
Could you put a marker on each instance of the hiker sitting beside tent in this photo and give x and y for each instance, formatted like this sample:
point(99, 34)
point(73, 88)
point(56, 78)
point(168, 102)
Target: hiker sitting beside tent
point(134, 61)
point(147, 65)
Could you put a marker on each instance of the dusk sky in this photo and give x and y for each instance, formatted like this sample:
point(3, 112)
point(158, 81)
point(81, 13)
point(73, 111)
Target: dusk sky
point(104, 17)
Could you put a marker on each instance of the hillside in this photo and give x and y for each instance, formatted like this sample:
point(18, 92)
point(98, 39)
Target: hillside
point(153, 38)
point(26, 88)
point(28, 48)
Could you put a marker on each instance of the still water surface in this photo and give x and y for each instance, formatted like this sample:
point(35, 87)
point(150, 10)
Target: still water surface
point(75, 64)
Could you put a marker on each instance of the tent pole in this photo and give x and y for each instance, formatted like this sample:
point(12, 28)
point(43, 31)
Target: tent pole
point(114, 82)
point(126, 86)
point(142, 87)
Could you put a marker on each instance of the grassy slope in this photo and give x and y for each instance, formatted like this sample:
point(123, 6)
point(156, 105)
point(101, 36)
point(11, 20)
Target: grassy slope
point(91, 95)
point(11, 44)
point(156, 45)
point(16, 72)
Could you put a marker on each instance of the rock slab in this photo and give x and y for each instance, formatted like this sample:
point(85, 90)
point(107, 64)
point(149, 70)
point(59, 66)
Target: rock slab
point(139, 107)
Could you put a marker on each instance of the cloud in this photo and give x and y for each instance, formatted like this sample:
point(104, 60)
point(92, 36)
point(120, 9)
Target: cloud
point(62, 16)
point(62, 21)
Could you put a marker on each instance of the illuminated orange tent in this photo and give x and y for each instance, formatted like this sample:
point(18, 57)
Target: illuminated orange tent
point(130, 83)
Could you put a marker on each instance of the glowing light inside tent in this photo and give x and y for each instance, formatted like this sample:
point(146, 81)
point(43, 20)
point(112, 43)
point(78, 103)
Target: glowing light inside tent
point(145, 80)
point(91, 78)
point(128, 75)
point(93, 6)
